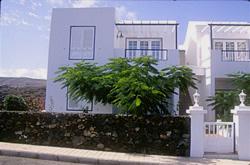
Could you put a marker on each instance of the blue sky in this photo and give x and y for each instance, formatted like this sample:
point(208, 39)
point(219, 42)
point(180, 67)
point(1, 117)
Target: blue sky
point(25, 25)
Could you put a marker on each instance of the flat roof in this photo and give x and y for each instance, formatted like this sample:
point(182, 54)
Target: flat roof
point(204, 26)
point(219, 23)
point(146, 22)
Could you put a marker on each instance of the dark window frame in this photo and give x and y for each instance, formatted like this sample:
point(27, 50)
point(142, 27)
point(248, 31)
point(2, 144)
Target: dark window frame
point(76, 110)
point(94, 41)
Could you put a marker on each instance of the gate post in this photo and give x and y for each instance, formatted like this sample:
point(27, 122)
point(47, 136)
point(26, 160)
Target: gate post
point(242, 123)
point(197, 127)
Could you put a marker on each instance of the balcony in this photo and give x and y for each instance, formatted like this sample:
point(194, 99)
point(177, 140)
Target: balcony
point(158, 54)
point(165, 57)
point(227, 62)
point(235, 55)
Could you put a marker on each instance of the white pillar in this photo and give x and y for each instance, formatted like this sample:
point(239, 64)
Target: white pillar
point(197, 130)
point(242, 128)
point(241, 117)
point(236, 131)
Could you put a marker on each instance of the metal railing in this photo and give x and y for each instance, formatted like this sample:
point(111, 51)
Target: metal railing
point(235, 55)
point(158, 54)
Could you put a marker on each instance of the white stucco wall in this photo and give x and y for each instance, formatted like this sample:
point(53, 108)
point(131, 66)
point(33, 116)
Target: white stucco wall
point(190, 46)
point(104, 20)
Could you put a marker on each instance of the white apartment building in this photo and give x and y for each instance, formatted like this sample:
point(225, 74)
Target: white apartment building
point(94, 35)
point(214, 50)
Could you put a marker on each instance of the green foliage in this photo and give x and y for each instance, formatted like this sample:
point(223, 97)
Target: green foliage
point(224, 101)
point(241, 81)
point(14, 103)
point(34, 96)
point(134, 86)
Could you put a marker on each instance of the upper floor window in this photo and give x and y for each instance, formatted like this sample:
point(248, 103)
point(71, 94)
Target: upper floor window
point(230, 45)
point(232, 49)
point(218, 45)
point(155, 46)
point(132, 45)
point(82, 40)
point(242, 45)
point(137, 47)
point(143, 47)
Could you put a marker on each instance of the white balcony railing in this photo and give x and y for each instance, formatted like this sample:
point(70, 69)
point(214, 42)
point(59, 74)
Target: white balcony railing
point(224, 129)
point(158, 54)
point(235, 55)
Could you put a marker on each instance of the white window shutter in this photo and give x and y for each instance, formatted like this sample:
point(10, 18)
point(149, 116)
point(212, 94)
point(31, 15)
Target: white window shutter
point(88, 43)
point(76, 43)
point(82, 43)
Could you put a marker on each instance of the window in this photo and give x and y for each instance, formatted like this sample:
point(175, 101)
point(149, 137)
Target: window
point(230, 51)
point(233, 49)
point(155, 46)
point(74, 105)
point(81, 43)
point(136, 47)
point(241, 46)
point(132, 45)
point(218, 45)
point(229, 45)
point(242, 55)
point(143, 47)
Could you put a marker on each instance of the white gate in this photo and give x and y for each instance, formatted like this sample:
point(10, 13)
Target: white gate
point(219, 137)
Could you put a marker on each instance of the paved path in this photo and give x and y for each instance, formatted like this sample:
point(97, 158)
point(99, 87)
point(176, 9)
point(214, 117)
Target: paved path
point(7, 160)
point(101, 157)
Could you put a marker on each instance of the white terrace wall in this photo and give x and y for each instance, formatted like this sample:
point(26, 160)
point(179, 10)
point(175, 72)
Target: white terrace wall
point(103, 19)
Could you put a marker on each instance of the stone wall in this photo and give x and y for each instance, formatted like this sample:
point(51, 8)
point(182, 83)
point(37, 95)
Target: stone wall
point(149, 134)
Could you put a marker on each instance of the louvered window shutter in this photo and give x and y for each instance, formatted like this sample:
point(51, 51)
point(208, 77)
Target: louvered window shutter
point(88, 43)
point(82, 43)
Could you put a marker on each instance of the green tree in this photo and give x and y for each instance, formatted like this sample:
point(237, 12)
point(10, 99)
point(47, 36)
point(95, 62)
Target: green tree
point(134, 86)
point(241, 81)
point(224, 101)
point(14, 103)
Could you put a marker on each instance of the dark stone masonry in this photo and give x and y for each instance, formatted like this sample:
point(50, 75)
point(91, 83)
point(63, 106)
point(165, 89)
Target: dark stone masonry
point(164, 135)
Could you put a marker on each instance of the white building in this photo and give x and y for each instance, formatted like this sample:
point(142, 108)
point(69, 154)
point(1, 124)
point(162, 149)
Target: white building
point(93, 34)
point(212, 50)
point(215, 49)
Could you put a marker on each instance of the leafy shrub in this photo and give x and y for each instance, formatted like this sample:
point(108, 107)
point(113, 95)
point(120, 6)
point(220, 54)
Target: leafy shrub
point(224, 101)
point(134, 86)
point(15, 103)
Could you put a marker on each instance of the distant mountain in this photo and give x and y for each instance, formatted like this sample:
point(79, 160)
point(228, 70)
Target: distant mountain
point(32, 90)
point(22, 82)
